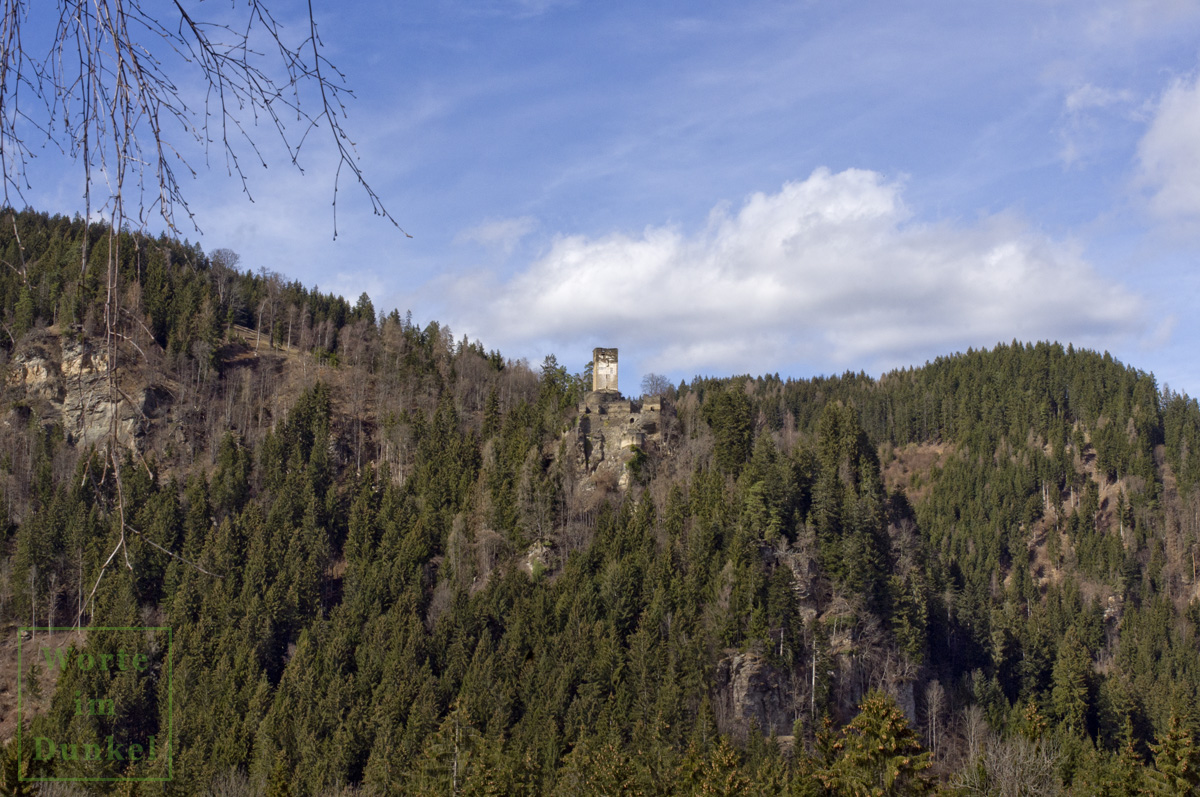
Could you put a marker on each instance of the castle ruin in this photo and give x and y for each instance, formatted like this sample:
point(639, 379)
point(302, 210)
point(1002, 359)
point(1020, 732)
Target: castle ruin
point(604, 370)
point(611, 429)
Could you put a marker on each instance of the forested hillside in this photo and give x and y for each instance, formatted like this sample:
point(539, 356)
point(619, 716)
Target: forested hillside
point(387, 571)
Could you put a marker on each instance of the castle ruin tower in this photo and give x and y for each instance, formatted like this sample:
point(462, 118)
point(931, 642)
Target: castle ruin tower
point(604, 369)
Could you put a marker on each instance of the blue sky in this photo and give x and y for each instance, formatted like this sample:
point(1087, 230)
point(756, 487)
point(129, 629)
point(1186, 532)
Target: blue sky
point(717, 188)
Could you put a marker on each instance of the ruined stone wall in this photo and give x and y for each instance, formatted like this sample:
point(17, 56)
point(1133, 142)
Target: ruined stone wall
point(611, 428)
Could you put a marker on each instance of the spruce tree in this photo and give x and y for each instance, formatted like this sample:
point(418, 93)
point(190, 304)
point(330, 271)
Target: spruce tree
point(1176, 761)
point(1072, 677)
point(878, 754)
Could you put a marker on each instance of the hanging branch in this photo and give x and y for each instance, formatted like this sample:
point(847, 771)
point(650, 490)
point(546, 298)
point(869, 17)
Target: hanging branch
point(99, 576)
point(172, 554)
point(116, 84)
point(114, 88)
point(120, 546)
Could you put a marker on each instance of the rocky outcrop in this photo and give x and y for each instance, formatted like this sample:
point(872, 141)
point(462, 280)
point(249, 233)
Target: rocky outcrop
point(752, 693)
point(65, 380)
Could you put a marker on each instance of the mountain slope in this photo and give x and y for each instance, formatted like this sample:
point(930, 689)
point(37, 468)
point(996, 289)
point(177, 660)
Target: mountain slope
point(386, 564)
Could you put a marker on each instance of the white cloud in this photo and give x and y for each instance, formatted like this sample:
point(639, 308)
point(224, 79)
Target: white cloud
point(1169, 154)
point(515, 9)
point(1087, 97)
point(501, 234)
point(1087, 112)
point(1122, 20)
point(827, 273)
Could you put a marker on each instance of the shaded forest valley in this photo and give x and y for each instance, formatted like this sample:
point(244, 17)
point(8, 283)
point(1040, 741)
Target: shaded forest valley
point(389, 566)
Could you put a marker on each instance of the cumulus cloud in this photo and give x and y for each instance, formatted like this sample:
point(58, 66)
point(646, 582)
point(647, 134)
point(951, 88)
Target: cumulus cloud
point(1169, 157)
point(501, 234)
point(830, 272)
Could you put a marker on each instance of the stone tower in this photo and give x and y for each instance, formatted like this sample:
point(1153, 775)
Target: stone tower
point(604, 369)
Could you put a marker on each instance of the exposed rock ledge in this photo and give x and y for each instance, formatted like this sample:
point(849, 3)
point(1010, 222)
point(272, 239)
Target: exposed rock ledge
point(66, 381)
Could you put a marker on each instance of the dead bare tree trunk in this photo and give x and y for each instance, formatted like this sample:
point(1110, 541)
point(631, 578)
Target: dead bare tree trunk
point(52, 598)
point(935, 703)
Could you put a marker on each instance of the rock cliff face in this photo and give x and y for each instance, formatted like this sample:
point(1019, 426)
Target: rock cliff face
point(65, 380)
point(751, 693)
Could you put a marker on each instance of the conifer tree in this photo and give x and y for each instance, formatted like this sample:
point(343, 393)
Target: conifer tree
point(1176, 761)
point(1072, 683)
point(1128, 767)
point(878, 754)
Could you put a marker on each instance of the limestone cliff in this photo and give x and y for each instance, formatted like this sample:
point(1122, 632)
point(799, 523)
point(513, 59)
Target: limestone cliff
point(64, 379)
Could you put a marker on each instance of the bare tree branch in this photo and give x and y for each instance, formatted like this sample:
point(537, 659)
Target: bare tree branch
point(117, 82)
point(127, 88)
point(171, 554)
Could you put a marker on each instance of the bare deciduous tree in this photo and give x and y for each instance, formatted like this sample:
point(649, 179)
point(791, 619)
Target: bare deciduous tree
point(272, 290)
point(223, 265)
point(1012, 767)
point(655, 385)
point(111, 83)
point(935, 704)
